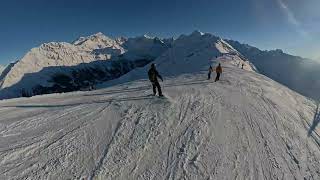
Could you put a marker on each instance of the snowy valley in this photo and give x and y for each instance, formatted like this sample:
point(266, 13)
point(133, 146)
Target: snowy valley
point(245, 126)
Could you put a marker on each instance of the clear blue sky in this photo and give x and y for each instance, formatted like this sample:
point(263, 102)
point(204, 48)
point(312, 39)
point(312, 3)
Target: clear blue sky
point(292, 25)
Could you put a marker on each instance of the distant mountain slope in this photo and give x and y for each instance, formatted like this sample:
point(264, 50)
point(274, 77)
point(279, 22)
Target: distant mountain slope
point(1, 68)
point(82, 64)
point(299, 74)
point(5, 71)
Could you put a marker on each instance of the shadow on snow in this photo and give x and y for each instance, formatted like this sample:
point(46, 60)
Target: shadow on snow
point(316, 120)
point(144, 88)
point(82, 103)
point(129, 90)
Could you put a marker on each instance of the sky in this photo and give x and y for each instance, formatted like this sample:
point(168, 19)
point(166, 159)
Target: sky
point(291, 25)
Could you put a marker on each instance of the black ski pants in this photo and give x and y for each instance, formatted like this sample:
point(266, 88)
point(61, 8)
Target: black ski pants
point(218, 77)
point(156, 85)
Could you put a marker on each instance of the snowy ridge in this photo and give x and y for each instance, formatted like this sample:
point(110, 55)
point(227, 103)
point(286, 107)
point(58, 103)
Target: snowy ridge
point(245, 126)
point(97, 41)
point(297, 73)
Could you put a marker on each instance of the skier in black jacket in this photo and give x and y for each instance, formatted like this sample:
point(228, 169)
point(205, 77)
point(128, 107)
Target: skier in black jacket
point(153, 77)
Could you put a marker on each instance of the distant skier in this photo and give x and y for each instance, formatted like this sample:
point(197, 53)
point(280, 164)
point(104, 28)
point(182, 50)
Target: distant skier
point(209, 73)
point(153, 77)
point(218, 71)
point(242, 66)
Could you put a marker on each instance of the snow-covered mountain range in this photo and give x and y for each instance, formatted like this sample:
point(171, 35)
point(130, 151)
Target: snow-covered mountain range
point(245, 126)
point(189, 54)
point(62, 67)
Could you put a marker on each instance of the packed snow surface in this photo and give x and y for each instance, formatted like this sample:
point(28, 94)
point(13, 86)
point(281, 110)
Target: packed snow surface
point(245, 126)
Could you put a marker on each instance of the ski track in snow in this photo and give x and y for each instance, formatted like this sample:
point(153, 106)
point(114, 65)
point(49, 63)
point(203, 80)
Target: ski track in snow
point(245, 126)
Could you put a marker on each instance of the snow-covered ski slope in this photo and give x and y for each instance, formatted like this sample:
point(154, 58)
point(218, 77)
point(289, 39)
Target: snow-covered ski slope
point(245, 126)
